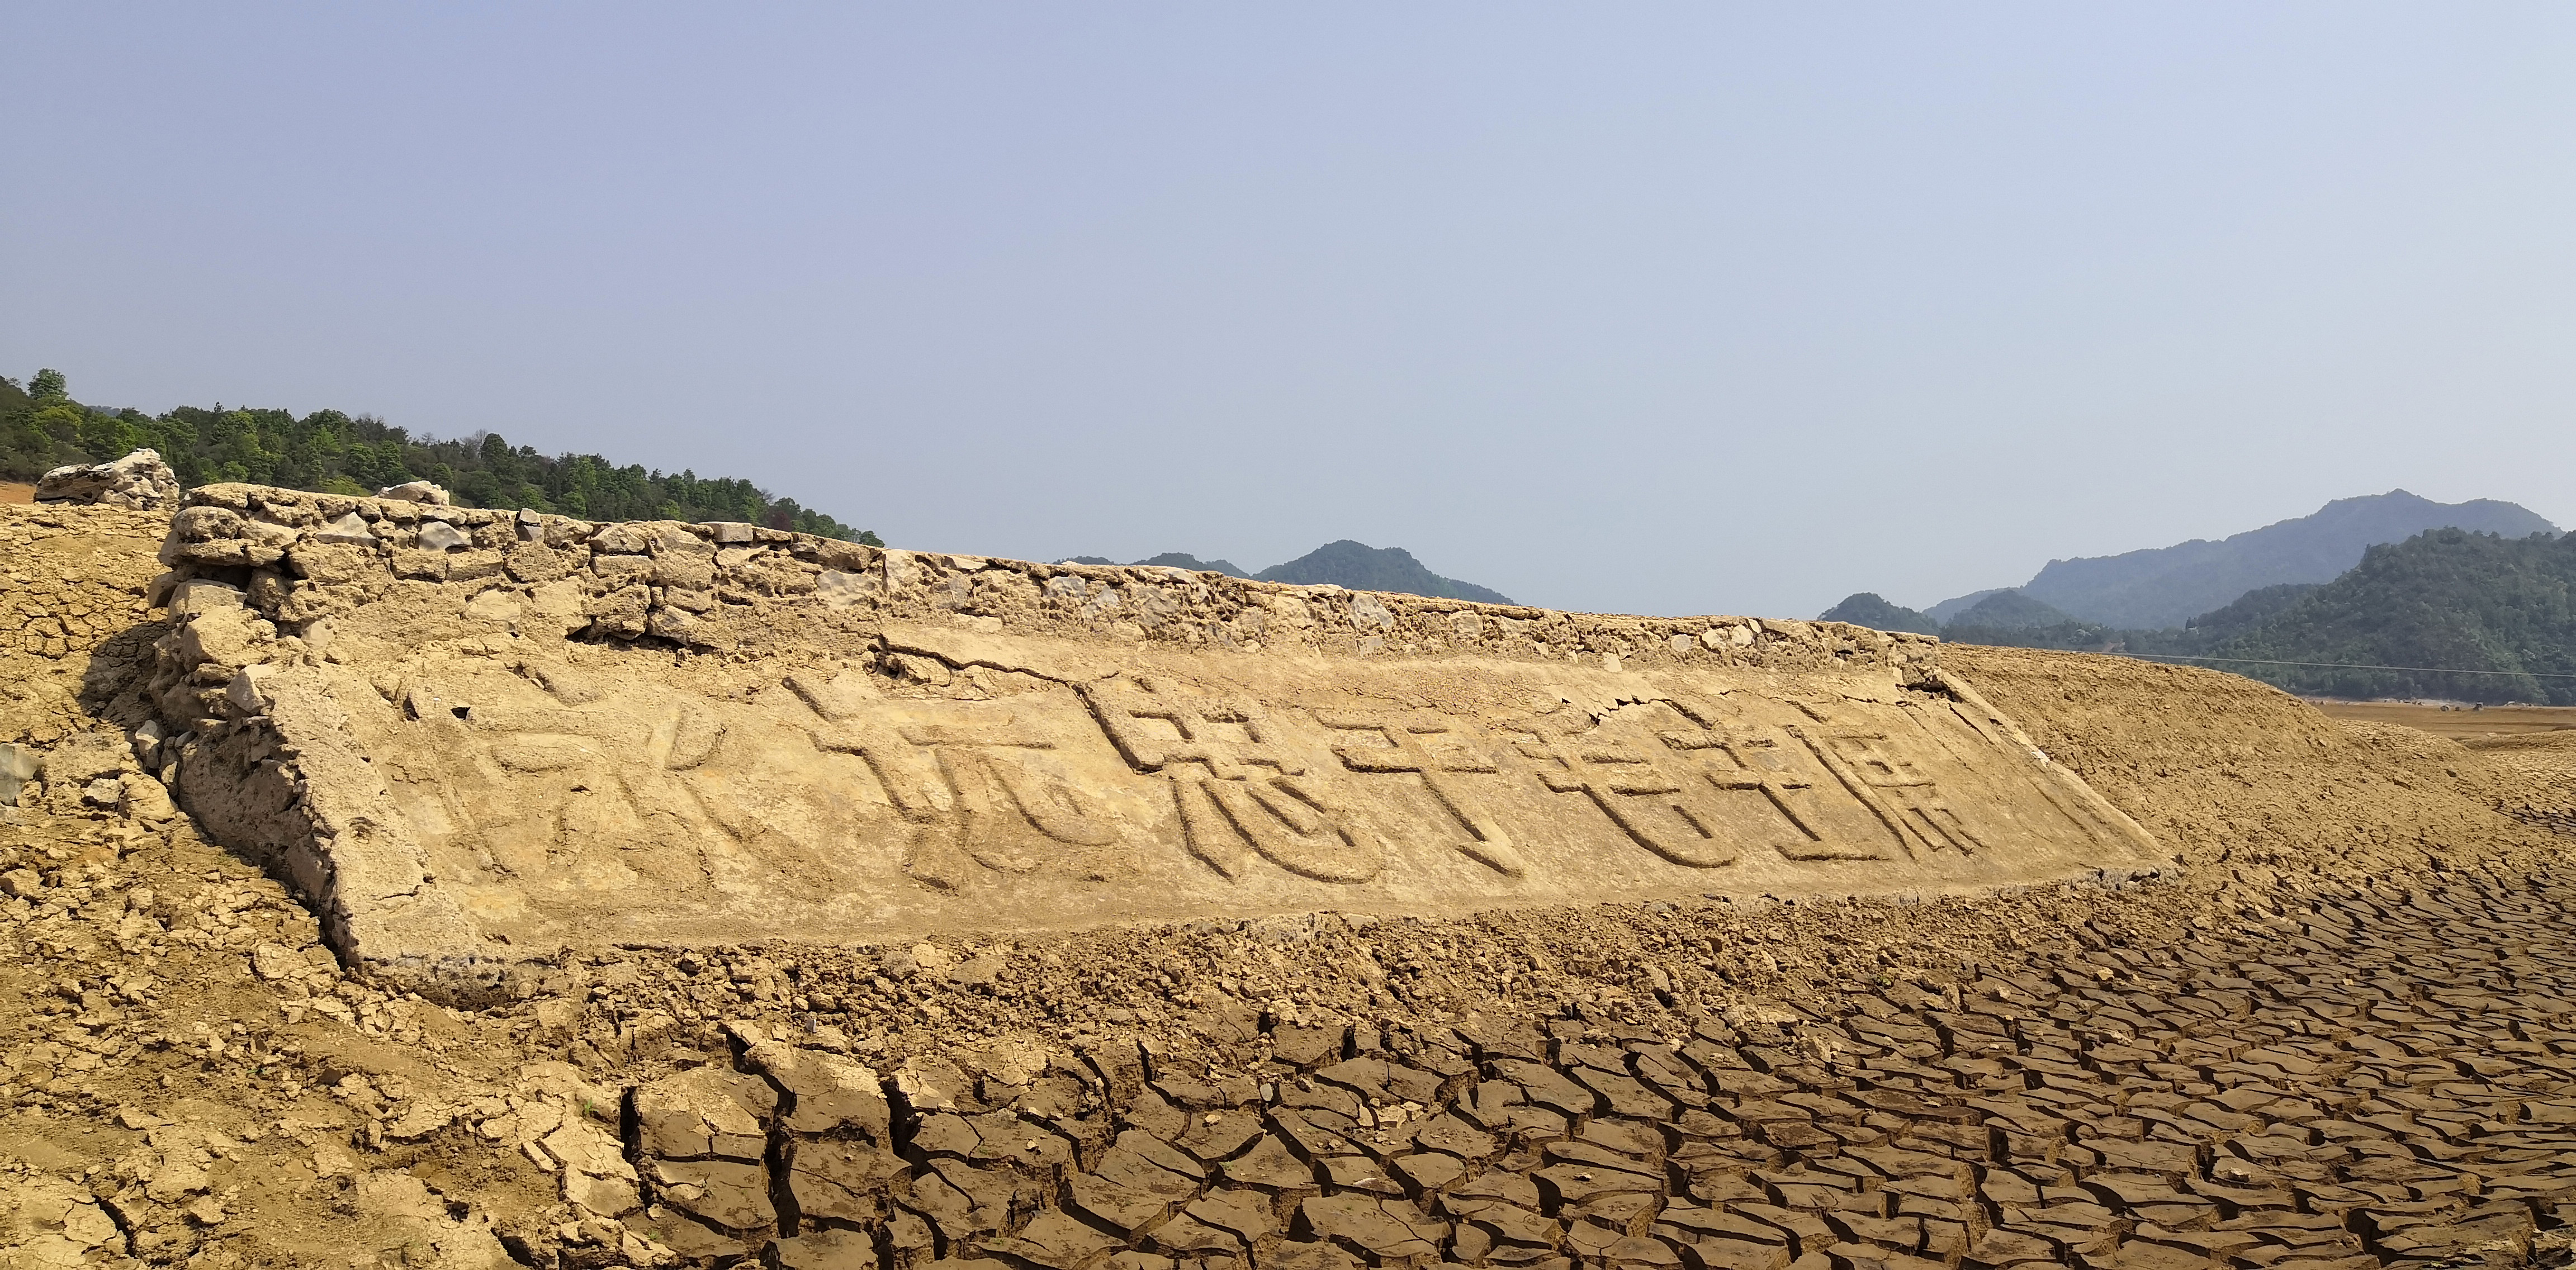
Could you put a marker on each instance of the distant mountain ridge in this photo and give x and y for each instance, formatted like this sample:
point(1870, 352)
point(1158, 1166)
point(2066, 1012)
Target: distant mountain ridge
point(1345, 563)
point(2446, 613)
point(1873, 610)
point(2164, 587)
point(2014, 620)
point(1171, 560)
point(1949, 610)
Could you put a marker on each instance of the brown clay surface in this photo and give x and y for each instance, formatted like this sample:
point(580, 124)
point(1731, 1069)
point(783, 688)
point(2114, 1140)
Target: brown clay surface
point(2459, 722)
point(14, 492)
point(2342, 1032)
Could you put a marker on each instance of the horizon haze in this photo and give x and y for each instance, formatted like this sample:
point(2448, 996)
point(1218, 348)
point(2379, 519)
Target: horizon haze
point(1666, 309)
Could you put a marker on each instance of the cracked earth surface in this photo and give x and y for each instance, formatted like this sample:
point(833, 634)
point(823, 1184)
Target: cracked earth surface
point(2384, 1077)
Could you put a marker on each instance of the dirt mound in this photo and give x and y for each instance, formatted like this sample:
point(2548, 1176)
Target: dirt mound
point(2338, 1034)
point(2246, 782)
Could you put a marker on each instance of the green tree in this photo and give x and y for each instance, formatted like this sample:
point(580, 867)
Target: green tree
point(331, 451)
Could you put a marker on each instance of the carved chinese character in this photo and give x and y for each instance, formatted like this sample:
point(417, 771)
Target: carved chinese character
point(1910, 801)
point(1660, 813)
point(1008, 813)
point(976, 786)
point(1239, 792)
point(1796, 819)
point(1437, 749)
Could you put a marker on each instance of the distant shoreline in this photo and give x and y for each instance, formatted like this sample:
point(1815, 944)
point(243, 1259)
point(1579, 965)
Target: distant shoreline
point(2454, 719)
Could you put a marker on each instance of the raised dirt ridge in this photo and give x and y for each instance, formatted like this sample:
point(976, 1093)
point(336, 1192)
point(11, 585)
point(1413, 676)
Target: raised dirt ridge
point(468, 734)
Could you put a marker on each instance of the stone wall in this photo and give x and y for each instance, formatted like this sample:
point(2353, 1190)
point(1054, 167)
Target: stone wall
point(74, 628)
point(475, 736)
point(737, 587)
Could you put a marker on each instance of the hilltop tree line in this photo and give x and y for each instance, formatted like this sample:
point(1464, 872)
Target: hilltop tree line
point(42, 427)
point(2448, 599)
point(2462, 616)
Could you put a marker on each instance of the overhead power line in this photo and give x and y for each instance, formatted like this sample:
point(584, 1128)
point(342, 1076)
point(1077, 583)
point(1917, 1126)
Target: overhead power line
point(2348, 665)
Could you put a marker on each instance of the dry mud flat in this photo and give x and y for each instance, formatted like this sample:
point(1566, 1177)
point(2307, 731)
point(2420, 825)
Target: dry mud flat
point(2384, 1076)
point(2460, 723)
point(2340, 1033)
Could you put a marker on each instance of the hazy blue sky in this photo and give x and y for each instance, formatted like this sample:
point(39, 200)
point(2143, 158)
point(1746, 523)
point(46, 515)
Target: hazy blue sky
point(1676, 309)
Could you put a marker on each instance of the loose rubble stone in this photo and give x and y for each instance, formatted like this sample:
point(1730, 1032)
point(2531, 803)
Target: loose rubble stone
point(140, 480)
point(416, 492)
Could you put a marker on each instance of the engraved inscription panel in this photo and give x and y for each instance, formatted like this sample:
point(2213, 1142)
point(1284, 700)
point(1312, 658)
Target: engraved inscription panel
point(850, 795)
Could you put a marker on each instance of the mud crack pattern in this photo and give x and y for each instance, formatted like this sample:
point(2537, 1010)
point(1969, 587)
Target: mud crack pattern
point(2381, 1078)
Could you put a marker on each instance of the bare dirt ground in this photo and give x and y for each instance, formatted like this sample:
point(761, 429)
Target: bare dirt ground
point(2460, 723)
point(14, 492)
point(2345, 1035)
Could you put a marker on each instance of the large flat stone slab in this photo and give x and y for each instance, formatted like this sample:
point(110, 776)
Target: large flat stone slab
point(468, 735)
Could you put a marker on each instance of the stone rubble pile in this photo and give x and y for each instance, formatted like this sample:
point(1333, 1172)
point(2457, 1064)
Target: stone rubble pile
point(140, 480)
point(87, 772)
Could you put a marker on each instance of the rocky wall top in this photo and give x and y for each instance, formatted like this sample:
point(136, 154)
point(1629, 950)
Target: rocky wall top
point(469, 733)
point(744, 589)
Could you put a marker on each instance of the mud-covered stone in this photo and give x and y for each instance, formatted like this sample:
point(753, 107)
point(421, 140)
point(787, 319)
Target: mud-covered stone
point(140, 480)
point(1381, 1229)
point(730, 1194)
point(705, 1113)
point(843, 1181)
point(826, 1093)
point(825, 1249)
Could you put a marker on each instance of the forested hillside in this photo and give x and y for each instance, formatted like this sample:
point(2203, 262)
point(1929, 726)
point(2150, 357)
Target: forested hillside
point(1362, 567)
point(2166, 586)
point(2163, 587)
point(2450, 599)
point(2485, 618)
point(42, 427)
point(1869, 608)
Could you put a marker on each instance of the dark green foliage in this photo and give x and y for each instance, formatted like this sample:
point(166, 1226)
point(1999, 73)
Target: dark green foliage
point(2010, 619)
point(332, 452)
point(1870, 609)
point(1365, 568)
point(2038, 626)
point(2010, 610)
point(2449, 599)
point(2248, 611)
point(2084, 637)
point(1949, 610)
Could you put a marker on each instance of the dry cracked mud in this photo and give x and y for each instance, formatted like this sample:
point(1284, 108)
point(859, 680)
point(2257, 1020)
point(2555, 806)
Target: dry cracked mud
point(2333, 1025)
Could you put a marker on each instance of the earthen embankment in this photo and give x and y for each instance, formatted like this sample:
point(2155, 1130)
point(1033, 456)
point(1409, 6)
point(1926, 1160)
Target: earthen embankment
point(465, 734)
